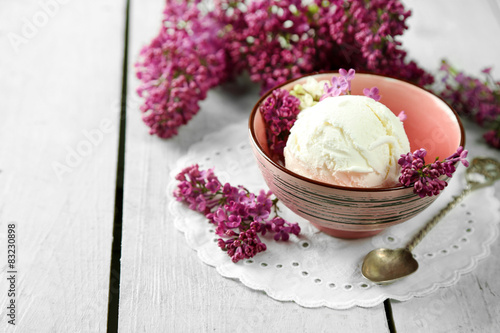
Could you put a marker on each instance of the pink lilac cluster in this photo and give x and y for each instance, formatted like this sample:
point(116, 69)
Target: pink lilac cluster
point(425, 178)
point(239, 216)
point(473, 98)
point(179, 66)
point(276, 40)
point(280, 112)
point(363, 35)
point(199, 47)
point(272, 40)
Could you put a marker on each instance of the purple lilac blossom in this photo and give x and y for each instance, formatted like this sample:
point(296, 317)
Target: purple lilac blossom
point(239, 216)
point(363, 35)
point(339, 86)
point(280, 112)
point(402, 116)
point(475, 99)
point(272, 40)
point(279, 40)
point(372, 93)
point(425, 177)
point(492, 137)
point(179, 66)
point(348, 76)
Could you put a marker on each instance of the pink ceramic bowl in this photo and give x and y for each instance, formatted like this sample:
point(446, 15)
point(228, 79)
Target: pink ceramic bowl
point(349, 212)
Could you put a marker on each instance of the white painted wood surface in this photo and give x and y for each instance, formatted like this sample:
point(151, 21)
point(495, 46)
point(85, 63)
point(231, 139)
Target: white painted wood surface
point(466, 33)
point(60, 85)
point(164, 286)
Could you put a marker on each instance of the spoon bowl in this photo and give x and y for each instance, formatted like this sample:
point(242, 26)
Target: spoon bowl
point(386, 265)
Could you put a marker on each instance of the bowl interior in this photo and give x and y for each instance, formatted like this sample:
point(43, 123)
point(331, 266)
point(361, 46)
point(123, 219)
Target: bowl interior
point(430, 123)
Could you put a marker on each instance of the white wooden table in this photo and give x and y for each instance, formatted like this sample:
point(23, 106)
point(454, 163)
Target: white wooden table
point(62, 183)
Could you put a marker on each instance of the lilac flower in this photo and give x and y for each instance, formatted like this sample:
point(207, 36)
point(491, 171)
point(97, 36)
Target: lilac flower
point(262, 207)
point(402, 116)
point(487, 70)
point(425, 177)
point(339, 86)
point(474, 98)
point(492, 137)
point(459, 156)
point(282, 228)
point(372, 93)
point(242, 246)
point(213, 186)
point(348, 76)
point(179, 66)
point(233, 221)
point(279, 111)
point(239, 216)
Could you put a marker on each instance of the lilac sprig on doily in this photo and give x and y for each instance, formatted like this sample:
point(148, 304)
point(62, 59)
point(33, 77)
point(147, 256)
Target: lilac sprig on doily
point(239, 216)
point(280, 112)
point(425, 178)
point(474, 98)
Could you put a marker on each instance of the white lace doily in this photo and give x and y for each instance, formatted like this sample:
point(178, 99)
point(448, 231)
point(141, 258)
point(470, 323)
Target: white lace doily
point(315, 269)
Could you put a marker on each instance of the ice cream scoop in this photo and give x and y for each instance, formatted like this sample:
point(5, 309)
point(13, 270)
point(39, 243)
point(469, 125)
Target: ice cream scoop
point(347, 140)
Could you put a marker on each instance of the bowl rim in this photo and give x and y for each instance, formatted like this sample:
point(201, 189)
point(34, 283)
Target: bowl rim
point(253, 136)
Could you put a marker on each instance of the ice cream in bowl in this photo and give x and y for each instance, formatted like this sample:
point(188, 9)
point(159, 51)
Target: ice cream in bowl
point(339, 164)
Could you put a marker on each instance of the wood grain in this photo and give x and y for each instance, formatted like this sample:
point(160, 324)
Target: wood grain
point(164, 286)
point(60, 88)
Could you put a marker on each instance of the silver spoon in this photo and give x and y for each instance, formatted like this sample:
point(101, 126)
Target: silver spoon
point(385, 266)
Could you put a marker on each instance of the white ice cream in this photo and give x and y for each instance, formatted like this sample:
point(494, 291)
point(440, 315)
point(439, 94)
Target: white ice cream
point(347, 140)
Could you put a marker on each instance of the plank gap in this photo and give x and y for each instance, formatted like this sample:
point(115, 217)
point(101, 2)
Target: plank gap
point(114, 280)
point(388, 314)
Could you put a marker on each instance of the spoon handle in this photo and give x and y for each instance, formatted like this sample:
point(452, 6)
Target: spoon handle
point(432, 222)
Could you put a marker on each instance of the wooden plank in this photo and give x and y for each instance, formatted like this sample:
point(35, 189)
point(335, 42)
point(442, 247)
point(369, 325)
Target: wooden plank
point(438, 30)
point(461, 31)
point(60, 86)
point(164, 286)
